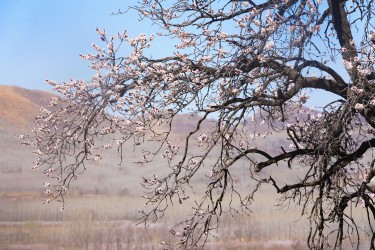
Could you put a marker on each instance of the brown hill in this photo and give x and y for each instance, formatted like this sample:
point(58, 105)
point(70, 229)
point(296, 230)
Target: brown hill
point(19, 106)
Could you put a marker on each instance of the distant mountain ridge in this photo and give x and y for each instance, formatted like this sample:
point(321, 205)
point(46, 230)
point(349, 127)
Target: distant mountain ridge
point(20, 106)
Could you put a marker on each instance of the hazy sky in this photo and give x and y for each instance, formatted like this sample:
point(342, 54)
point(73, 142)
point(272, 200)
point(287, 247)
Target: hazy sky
point(42, 39)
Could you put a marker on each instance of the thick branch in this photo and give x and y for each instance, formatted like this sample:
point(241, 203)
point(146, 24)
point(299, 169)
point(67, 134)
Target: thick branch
point(339, 164)
point(342, 28)
point(284, 156)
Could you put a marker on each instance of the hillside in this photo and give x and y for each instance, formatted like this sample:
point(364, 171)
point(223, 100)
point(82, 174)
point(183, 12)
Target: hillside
point(19, 106)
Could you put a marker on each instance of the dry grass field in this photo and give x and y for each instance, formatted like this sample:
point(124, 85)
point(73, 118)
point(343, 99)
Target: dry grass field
point(101, 213)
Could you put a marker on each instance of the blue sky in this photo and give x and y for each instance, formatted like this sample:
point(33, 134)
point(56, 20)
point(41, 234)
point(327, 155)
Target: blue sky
point(42, 39)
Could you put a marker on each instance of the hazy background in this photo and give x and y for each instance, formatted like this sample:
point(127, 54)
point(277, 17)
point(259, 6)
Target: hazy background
point(102, 206)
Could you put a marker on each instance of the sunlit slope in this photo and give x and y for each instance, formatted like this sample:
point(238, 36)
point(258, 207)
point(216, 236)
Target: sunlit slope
point(19, 106)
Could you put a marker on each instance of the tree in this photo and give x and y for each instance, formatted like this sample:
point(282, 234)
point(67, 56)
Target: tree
point(236, 64)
